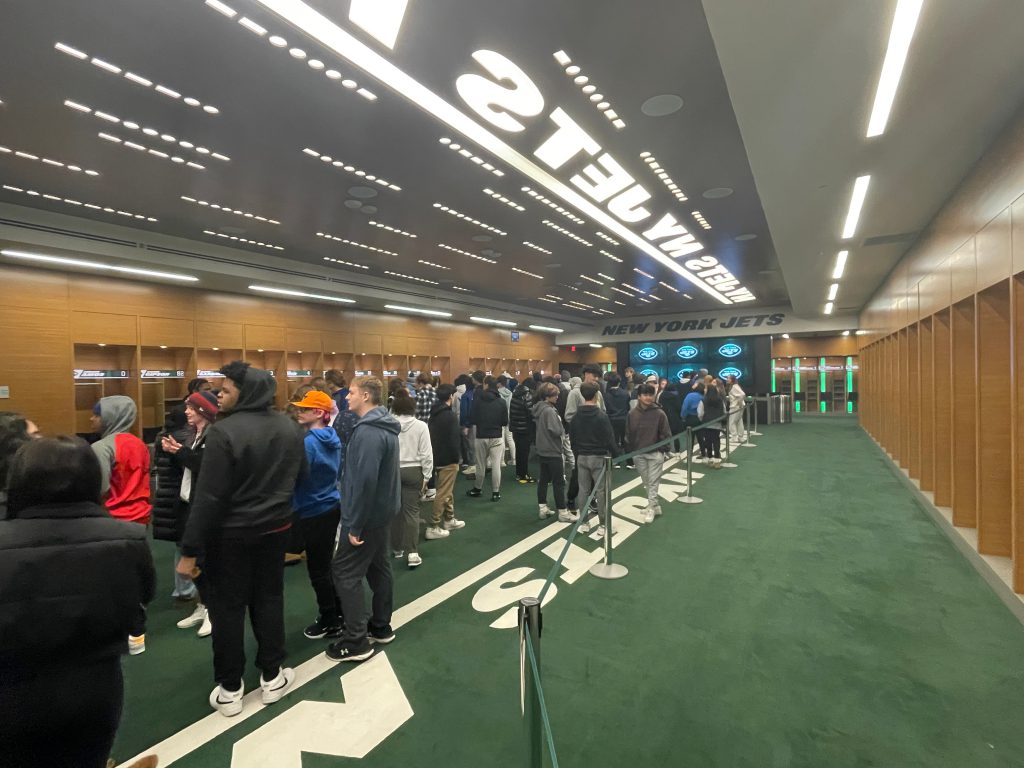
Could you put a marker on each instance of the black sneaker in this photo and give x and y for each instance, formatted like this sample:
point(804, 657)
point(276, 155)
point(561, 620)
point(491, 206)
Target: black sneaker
point(345, 651)
point(380, 636)
point(321, 628)
point(473, 492)
point(495, 496)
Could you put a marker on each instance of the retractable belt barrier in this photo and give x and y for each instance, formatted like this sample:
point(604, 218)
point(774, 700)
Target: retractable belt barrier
point(531, 693)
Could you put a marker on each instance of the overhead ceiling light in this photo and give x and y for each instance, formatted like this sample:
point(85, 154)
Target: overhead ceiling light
point(300, 294)
point(70, 51)
point(904, 23)
point(13, 254)
point(785, 335)
point(492, 321)
point(862, 332)
point(837, 273)
point(832, 291)
point(596, 346)
point(846, 333)
point(828, 307)
point(431, 312)
point(860, 191)
point(221, 8)
point(79, 203)
point(380, 18)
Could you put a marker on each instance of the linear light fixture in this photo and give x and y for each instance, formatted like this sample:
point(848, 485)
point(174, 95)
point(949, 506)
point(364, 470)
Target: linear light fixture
point(300, 294)
point(595, 346)
point(417, 310)
point(492, 321)
point(860, 191)
point(833, 291)
point(547, 328)
point(48, 161)
point(828, 307)
point(79, 203)
point(228, 209)
point(27, 256)
point(904, 23)
point(837, 273)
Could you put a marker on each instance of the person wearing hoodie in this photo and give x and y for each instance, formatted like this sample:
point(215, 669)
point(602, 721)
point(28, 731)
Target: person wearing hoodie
point(737, 399)
point(550, 433)
point(506, 434)
point(445, 443)
point(671, 402)
point(473, 385)
point(592, 438)
point(316, 504)
point(520, 422)
point(690, 412)
point(124, 478)
point(240, 521)
point(416, 467)
point(647, 426)
point(15, 431)
point(371, 495)
point(489, 419)
point(616, 400)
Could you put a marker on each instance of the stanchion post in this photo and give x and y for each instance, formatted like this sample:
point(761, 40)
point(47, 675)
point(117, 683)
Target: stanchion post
point(608, 569)
point(729, 463)
point(530, 624)
point(749, 444)
point(688, 497)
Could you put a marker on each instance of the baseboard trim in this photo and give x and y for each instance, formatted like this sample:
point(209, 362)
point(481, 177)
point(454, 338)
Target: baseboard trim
point(1002, 587)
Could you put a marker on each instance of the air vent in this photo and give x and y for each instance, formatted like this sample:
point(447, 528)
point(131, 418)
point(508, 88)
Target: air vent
point(68, 233)
point(903, 237)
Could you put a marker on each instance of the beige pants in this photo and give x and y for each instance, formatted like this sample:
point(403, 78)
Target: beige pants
point(444, 501)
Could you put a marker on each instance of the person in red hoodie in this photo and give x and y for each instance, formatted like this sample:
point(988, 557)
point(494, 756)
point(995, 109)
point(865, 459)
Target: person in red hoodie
point(124, 468)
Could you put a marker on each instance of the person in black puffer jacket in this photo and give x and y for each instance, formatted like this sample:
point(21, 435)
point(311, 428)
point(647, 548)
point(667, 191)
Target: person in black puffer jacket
point(166, 488)
point(489, 414)
point(711, 435)
point(72, 579)
point(671, 402)
point(520, 421)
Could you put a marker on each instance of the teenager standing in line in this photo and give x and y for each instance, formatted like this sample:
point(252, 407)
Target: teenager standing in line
point(445, 439)
point(416, 462)
point(520, 422)
point(647, 426)
point(550, 433)
point(593, 440)
point(489, 419)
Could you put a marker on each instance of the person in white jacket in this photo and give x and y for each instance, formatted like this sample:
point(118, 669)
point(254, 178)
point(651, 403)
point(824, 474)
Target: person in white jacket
point(736, 399)
point(416, 460)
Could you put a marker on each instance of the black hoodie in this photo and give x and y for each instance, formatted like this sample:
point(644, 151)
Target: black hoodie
point(590, 433)
point(489, 415)
point(445, 435)
point(253, 457)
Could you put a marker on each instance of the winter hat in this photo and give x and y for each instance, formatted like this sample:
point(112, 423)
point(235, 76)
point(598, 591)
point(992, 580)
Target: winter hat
point(205, 404)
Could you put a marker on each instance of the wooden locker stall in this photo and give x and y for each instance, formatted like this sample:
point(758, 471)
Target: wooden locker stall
point(994, 397)
point(942, 361)
point(965, 414)
point(1017, 284)
point(899, 404)
point(926, 377)
point(912, 403)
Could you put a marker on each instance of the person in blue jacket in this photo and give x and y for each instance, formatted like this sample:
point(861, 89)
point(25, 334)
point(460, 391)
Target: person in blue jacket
point(371, 492)
point(691, 416)
point(317, 507)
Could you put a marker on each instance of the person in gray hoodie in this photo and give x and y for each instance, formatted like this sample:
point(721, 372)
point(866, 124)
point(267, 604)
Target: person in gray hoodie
point(370, 499)
point(549, 451)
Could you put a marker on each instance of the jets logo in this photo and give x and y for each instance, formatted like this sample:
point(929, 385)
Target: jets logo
point(648, 372)
point(730, 371)
point(647, 353)
point(687, 352)
point(730, 350)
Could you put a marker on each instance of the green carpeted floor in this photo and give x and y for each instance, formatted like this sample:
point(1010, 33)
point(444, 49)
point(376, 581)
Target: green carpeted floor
point(808, 613)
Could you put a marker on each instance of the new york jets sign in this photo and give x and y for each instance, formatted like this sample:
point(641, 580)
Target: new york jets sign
point(687, 352)
point(730, 350)
point(647, 353)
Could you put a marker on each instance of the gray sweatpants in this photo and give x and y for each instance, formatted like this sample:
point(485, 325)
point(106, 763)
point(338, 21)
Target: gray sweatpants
point(489, 449)
point(590, 471)
point(649, 466)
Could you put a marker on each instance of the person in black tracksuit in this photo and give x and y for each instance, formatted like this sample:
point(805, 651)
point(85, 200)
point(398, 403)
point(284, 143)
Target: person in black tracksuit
point(240, 520)
point(71, 582)
point(520, 421)
point(617, 402)
point(671, 402)
point(593, 439)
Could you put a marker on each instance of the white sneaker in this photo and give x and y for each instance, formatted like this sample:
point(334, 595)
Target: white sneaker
point(453, 525)
point(544, 511)
point(207, 629)
point(469, 471)
point(136, 645)
point(649, 515)
point(273, 690)
point(600, 531)
point(198, 616)
point(430, 495)
point(414, 559)
point(565, 516)
point(436, 533)
point(227, 703)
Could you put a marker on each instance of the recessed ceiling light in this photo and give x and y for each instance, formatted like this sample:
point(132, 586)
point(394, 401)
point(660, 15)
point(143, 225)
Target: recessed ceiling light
point(567, 233)
point(452, 212)
point(837, 272)
point(785, 335)
point(860, 191)
point(553, 206)
point(368, 95)
point(457, 148)
point(297, 53)
point(903, 25)
point(466, 253)
point(492, 321)
point(547, 328)
point(340, 164)
point(595, 346)
point(138, 79)
point(829, 306)
point(252, 26)
point(528, 274)
point(228, 209)
point(141, 148)
point(660, 106)
point(300, 294)
point(846, 333)
point(389, 229)
point(364, 246)
point(222, 8)
point(246, 241)
point(60, 260)
point(431, 312)
point(105, 65)
point(716, 193)
point(70, 51)
point(277, 41)
point(79, 203)
point(833, 290)
point(528, 244)
point(670, 287)
point(611, 256)
point(501, 198)
point(606, 238)
point(47, 161)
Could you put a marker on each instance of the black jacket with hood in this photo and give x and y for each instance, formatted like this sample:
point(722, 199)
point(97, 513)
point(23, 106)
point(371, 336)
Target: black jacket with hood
point(372, 487)
point(590, 433)
point(445, 435)
point(490, 414)
point(252, 459)
point(167, 488)
point(520, 419)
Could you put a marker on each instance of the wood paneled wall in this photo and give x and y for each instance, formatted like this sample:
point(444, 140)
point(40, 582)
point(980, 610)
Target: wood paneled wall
point(45, 314)
point(943, 363)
